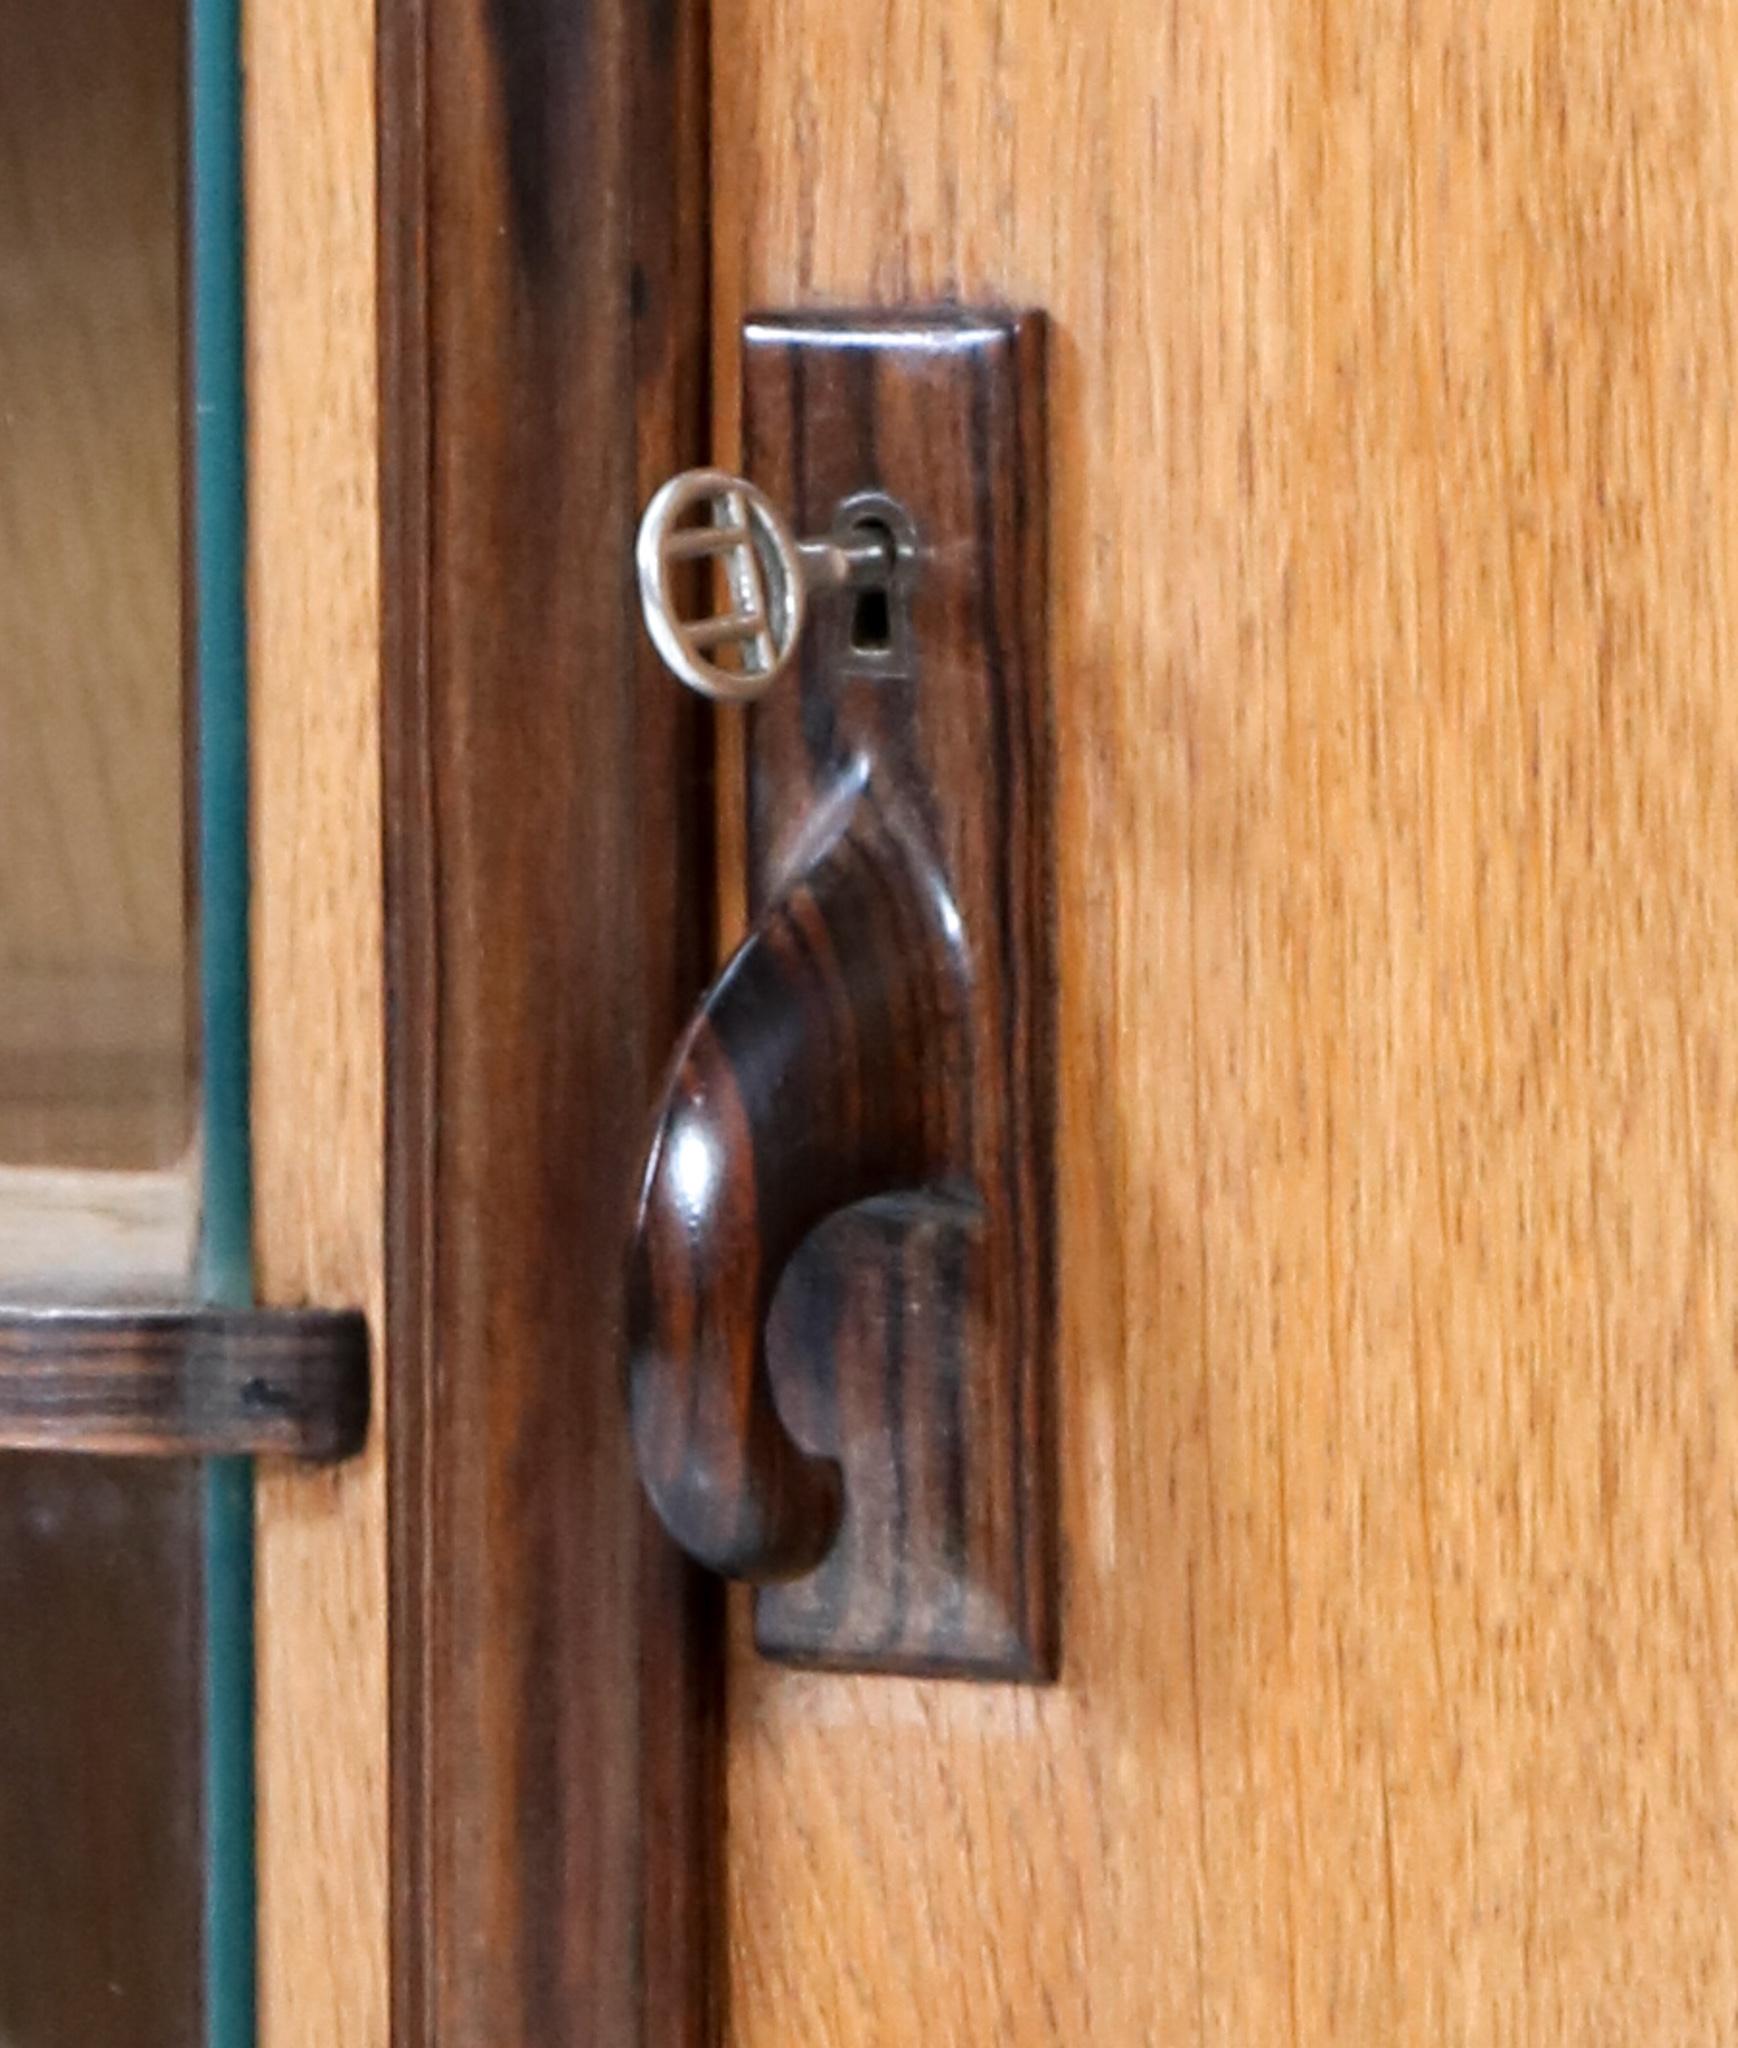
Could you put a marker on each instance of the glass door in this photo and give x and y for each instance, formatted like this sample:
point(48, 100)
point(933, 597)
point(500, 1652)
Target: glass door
point(125, 1831)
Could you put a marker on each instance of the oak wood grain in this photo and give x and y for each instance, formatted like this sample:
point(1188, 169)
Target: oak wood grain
point(90, 489)
point(77, 1234)
point(318, 1004)
point(1394, 605)
point(94, 1018)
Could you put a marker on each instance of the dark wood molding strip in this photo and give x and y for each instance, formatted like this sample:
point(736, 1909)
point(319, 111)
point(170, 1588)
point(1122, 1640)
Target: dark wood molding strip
point(172, 1382)
point(555, 1663)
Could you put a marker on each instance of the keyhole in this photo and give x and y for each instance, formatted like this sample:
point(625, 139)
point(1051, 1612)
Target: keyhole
point(872, 613)
point(871, 623)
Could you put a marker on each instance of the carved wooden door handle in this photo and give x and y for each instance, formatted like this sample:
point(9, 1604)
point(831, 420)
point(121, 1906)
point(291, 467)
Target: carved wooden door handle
point(839, 1296)
point(815, 1076)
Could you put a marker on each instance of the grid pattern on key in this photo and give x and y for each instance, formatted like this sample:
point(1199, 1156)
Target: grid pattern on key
point(729, 542)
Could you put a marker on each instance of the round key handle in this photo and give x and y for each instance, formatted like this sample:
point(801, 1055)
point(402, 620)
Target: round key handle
point(721, 522)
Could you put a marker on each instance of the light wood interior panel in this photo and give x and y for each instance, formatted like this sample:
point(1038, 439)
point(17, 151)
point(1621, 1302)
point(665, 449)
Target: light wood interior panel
point(1395, 587)
point(94, 1067)
point(318, 1131)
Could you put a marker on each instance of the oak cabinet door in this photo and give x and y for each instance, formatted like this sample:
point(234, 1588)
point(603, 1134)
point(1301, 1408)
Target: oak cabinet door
point(1392, 606)
point(1389, 593)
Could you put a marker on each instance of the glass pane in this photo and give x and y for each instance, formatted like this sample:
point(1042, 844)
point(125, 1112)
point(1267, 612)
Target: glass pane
point(101, 1821)
point(97, 1183)
point(125, 1858)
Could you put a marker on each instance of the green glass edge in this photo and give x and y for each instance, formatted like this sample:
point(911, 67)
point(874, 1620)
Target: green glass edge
point(219, 453)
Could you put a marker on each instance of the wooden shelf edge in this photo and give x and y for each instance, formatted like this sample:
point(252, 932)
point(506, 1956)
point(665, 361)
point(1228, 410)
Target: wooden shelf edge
point(184, 1382)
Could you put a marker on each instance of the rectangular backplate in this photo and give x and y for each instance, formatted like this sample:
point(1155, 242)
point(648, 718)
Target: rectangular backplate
point(912, 1338)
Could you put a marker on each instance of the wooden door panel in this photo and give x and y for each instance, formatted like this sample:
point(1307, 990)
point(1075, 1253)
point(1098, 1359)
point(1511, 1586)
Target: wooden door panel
point(1393, 573)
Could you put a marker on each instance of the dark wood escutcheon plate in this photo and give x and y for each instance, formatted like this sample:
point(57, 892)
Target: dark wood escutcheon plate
point(912, 1337)
point(841, 1297)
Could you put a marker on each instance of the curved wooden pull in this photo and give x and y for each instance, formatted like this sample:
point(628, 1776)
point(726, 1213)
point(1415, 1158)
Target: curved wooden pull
point(806, 1084)
point(841, 1307)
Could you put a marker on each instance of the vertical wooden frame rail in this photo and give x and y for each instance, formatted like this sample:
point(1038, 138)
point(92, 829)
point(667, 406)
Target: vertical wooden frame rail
point(553, 1721)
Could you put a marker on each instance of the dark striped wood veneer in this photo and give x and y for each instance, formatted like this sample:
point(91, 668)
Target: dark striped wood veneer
point(173, 1382)
point(840, 1291)
point(557, 1667)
